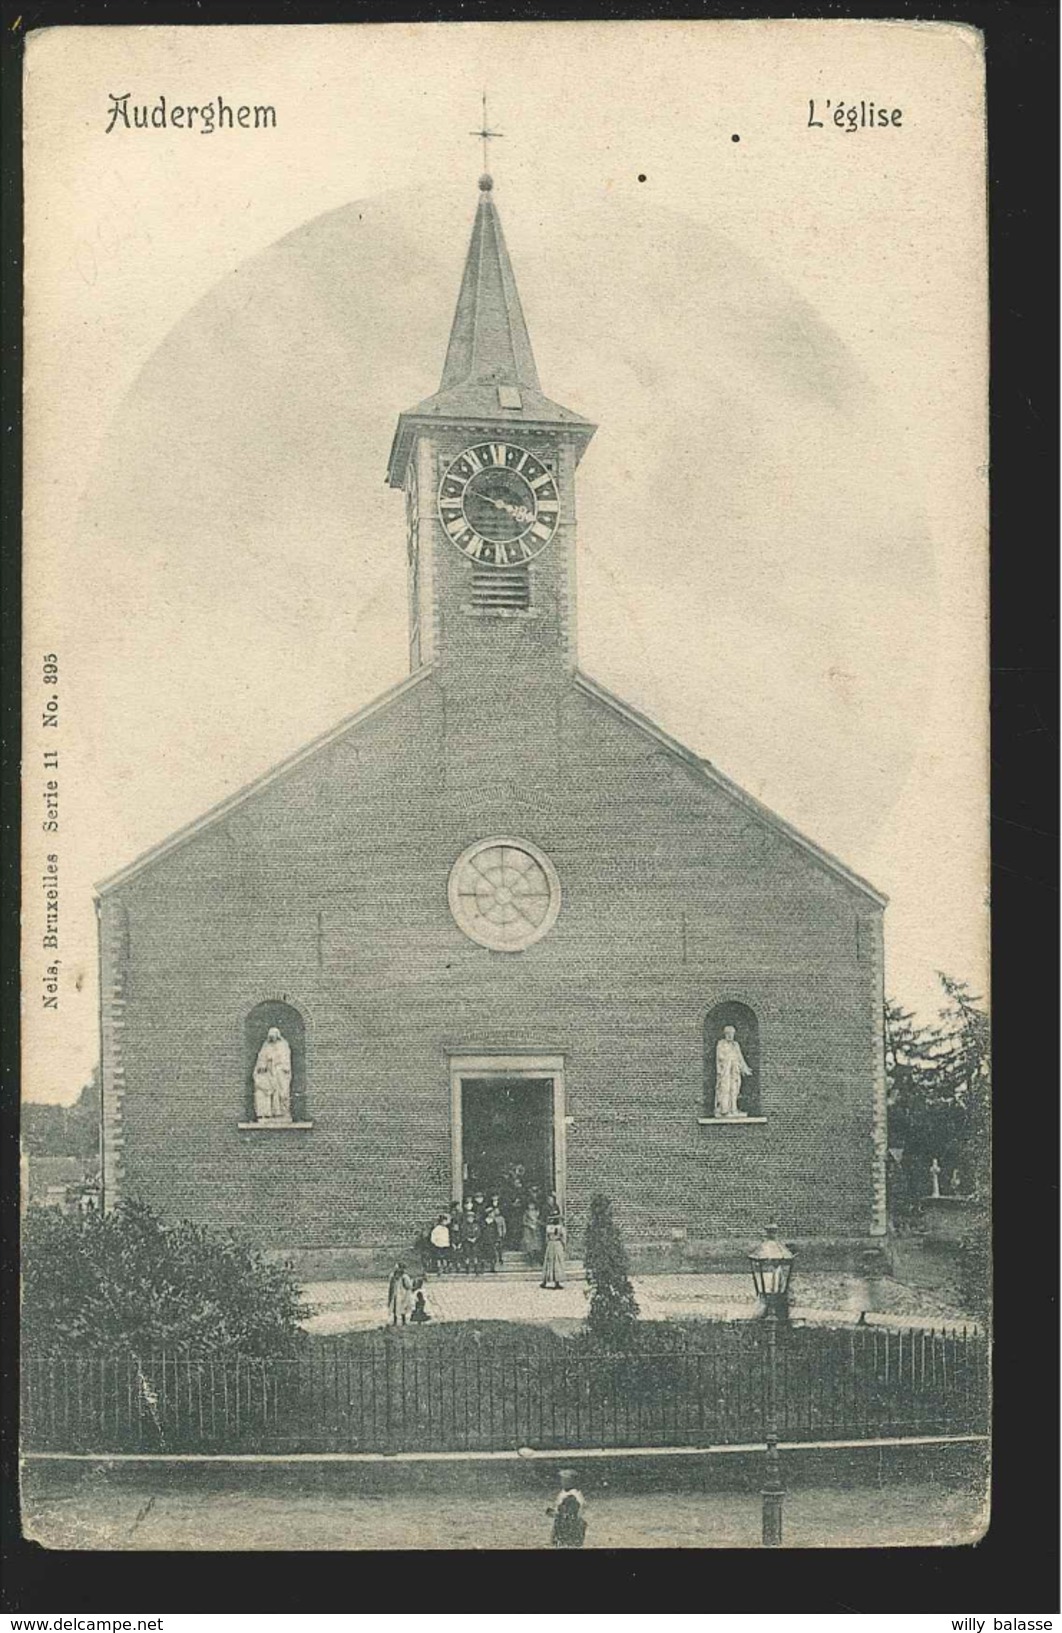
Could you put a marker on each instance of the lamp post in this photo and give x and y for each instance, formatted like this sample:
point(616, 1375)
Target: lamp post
point(772, 1265)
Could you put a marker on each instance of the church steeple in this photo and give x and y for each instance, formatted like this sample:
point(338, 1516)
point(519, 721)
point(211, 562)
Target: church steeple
point(489, 339)
point(489, 374)
point(488, 467)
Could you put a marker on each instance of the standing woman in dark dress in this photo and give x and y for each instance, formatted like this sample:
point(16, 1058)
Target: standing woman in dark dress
point(457, 1240)
point(472, 1238)
point(489, 1240)
point(501, 1229)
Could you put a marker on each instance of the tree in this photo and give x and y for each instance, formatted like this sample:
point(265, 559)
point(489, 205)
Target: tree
point(131, 1283)
point(81, 1121)
point(908, 1068)
point(966, 1077)
point(64, 1131)
point(939, 1089)
point(613, 1316)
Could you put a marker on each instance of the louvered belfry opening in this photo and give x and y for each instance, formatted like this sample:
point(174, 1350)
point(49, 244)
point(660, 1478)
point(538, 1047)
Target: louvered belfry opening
point(501, 589)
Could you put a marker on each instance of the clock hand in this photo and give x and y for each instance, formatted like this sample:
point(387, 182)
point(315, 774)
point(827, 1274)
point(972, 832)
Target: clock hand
point(519, 513)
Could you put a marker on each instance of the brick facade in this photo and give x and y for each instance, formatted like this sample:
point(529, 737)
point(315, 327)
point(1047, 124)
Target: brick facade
point(325, 887)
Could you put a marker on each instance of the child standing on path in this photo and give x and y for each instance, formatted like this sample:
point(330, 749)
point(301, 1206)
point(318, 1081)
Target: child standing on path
point(400, 1296)
point(569, 1524)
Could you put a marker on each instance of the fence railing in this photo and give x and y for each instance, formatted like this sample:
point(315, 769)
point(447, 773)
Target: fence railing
point(390, 1393)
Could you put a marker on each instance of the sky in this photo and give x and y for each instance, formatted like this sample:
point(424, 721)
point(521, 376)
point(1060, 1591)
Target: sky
point(781, 338)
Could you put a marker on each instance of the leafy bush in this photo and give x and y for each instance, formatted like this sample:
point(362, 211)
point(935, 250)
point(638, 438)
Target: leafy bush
point(130, 1281)
point(440, 1337)
point(612, 1320)
point(975, 1275)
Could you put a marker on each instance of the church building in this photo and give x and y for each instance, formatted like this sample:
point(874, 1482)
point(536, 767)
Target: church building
point(497, 923)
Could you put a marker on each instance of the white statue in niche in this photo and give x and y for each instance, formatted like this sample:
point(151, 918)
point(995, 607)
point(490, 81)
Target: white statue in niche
point(730, 1067)
point(272, 1079)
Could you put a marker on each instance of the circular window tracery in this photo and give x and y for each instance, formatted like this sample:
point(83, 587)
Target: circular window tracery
point(504, 893)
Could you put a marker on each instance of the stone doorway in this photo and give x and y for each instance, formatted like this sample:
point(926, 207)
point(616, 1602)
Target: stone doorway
point(508, 1111)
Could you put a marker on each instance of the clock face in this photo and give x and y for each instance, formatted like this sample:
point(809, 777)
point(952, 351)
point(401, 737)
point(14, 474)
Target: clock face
point(504, 893)
point(499, 504)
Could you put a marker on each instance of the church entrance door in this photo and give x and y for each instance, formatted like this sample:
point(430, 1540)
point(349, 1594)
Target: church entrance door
point(507, 1135)
point(508, 1127)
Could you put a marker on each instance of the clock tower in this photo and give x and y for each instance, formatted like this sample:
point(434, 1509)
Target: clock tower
point(488, 468)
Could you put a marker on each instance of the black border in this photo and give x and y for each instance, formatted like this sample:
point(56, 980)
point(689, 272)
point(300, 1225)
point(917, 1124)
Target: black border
point(1015, 1568)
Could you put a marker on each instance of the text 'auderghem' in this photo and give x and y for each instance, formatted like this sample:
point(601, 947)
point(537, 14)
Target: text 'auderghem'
point(205, 117)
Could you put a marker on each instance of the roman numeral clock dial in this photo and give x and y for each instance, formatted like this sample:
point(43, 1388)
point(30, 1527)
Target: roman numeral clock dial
point(499, 504)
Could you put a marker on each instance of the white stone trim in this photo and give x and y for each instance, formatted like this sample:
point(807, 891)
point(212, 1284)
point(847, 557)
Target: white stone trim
point(428, 610)
point(272, 1128)
point(879, 1129)
point(478, 930)
point(113, 932)
point(728, 1122)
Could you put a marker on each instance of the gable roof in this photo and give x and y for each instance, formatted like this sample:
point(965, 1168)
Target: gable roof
point(592, 688)
point(710, 774)
point(217, 813)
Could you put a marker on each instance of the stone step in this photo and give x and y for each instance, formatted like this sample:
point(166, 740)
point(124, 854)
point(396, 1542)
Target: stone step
point(514, 1257)
point(517, 1271)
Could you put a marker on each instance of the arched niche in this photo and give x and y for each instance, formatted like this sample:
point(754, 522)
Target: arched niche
point(747, 1033)
point(275, 1012)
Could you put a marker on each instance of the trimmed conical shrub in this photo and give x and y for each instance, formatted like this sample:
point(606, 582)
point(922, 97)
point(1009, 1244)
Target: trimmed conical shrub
point(613, 1316)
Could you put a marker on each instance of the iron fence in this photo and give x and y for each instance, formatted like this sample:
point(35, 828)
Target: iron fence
point(389, 1392)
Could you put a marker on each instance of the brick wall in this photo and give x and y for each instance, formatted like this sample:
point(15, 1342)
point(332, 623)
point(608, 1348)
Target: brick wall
point(328, 889)
point(525, 650)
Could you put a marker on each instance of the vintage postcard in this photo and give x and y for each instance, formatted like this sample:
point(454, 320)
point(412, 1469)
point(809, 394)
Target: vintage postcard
point(505, 861)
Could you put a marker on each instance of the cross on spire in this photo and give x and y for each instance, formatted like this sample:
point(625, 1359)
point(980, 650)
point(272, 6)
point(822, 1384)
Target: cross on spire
point(486, 135)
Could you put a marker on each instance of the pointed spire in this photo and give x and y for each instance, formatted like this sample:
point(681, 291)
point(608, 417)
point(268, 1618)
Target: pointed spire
point(489, 341)
point(489, 375)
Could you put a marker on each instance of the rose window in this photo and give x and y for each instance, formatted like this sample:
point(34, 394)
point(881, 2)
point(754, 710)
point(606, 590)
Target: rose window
point(504, 893)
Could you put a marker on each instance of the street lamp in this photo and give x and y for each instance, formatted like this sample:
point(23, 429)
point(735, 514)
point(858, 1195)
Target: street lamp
point(772, 1265)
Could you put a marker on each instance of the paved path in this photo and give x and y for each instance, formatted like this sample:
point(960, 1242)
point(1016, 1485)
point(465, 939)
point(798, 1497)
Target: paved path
point(834, 1298)
point(100, 1514)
